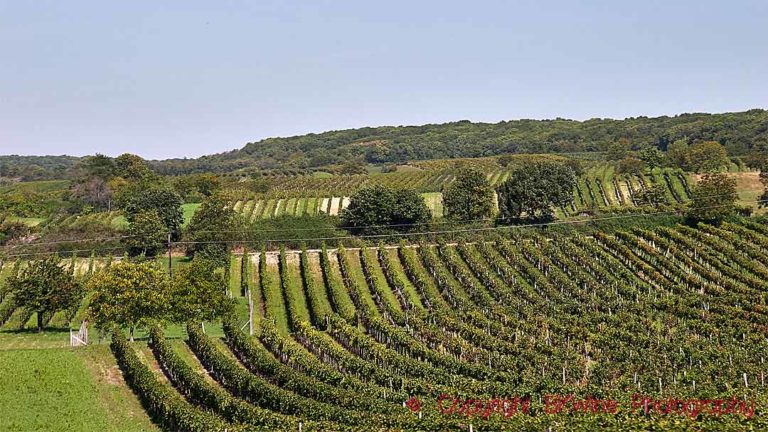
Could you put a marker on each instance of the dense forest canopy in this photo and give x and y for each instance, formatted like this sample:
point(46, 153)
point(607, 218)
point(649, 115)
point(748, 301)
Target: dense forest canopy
point(738, 132)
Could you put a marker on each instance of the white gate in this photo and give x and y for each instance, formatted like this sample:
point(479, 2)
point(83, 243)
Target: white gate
point(80, 337)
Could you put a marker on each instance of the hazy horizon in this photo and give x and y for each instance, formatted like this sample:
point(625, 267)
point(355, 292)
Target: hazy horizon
point(185, 79)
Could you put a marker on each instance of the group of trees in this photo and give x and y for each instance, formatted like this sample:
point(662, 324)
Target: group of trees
point(531, 192)
point(737, 132)
point(714, 199)
point(534, 190)
point(699, 157)
point(127, 293)
point(378, 210)
point(105, 183)
point(132, 294)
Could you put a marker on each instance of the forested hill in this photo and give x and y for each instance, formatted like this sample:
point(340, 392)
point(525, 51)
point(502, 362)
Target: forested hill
point(389, 144)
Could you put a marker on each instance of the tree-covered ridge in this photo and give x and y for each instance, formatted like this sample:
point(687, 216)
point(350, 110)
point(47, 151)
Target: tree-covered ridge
point(738, 132)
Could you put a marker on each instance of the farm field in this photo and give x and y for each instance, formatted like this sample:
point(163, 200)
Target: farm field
point(66, 390)
point(344, 337)
point(598, 188)
point(748, 187)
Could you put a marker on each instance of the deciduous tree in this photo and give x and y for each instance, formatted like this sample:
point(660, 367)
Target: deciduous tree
point(651, 156)
point(677, 154)
point(165, 202)
point(714, 198)
point(211, 231)
point(653, 195)
point(129, 294)
point(198, 293)
point(146, 234)
point(45, 286)
point(375, 209)
point(534, 189)
point(707, 156)
point(618, 149)
point(469, 197)
point(630, 165)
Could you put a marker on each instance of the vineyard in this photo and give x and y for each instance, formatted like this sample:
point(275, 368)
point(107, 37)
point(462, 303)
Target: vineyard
point(599, 188)
point(391, 338)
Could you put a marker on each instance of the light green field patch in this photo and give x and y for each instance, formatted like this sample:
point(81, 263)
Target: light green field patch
point(258, 209)
point(29, 221)
point(301, 206)
point(66, 390)
point(269, 209)
point(434, 201)
point(290, 207)
point(311, 208)
point(188, 210)
point(248, 208)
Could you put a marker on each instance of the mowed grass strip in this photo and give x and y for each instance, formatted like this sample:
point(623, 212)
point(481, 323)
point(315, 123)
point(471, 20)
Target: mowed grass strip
point(274, 304)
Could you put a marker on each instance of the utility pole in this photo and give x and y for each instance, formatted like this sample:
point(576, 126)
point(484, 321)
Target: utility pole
point(170, 260)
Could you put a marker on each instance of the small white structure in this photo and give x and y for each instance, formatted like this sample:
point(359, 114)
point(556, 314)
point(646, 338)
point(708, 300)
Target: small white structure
point(80, 337)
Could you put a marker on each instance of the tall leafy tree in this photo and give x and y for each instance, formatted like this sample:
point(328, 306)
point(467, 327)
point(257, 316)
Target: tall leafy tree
point(129, 294)
point(132, 167)
point(199, 293)
point(618, 149)
point(212, 230)
point(763, 167)
point(163, 201)
point(630, 165)
point(533, 190)
point(714, 198)
point(677, 154)
point(99, 165)
point(45, 287)
point(707, 156)
point(146, 234)
point(381, 210)
point(651, 156)
point(469, 197)
point(92, 183)
point(653, 195)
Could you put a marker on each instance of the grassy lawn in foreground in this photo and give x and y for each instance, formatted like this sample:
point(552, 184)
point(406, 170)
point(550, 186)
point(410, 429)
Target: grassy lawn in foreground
point(66, 390)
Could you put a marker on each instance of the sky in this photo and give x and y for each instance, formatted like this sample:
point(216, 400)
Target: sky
point(185, 78)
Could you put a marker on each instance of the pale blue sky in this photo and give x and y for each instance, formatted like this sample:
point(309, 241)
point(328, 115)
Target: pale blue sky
point(186, 78)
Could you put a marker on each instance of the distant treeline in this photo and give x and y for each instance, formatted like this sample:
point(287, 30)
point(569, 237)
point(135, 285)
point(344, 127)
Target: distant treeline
point(738, 132)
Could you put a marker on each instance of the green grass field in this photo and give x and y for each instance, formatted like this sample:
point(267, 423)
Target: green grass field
point(30, 221)
point(189, 211)
point(67, 390)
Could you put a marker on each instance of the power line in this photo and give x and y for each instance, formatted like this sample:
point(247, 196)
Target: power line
point(463, 230)
point(412, 234)
point(397, 225)
point(71, 251)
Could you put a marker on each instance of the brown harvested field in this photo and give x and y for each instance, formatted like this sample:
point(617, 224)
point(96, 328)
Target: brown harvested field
point(748, 186)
